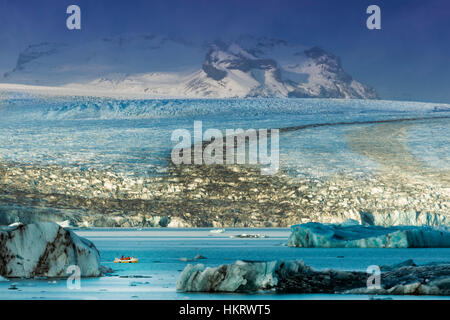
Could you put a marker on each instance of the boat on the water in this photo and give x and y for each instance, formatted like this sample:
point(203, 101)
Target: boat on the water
point(126, 260)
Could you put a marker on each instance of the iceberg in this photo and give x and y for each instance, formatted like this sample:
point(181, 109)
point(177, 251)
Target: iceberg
point(236, 277)
point(249, 236)
point(351, 235)
point(297, 277)
point(45, 249)
point(430, 279)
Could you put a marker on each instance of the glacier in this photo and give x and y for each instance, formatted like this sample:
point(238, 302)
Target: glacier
point(350, 234)
point(93, 154)
point(297, 277)
point(45, 249)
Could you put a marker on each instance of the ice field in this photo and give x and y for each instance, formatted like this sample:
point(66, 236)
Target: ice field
point(133, 136)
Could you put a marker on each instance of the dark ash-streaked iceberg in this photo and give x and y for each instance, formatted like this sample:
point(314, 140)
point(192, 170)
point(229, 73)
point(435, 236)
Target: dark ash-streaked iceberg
point(296, 277)
point(353, 235)
point(45, 250)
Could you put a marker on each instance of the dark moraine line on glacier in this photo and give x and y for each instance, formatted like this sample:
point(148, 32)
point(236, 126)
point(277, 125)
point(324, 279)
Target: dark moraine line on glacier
point(315, 125)
point(302, 127)
point(326, 124)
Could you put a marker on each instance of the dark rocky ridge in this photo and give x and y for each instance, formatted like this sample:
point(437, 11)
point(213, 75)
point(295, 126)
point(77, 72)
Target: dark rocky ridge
point(213, 196)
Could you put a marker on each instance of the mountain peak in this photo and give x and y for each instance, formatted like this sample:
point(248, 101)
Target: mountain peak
point(163, 66)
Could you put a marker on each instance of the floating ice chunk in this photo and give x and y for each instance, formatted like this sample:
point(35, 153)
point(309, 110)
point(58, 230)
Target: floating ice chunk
point(138, 283)
point(13, 286)
point(15, 224)
point(217, 231)
point(239, 276)
point(249, 236)
point(45, 249)
point(317, 235)
point(2, 279)
point(65, 224)
point(197, 257)
point(296, 277)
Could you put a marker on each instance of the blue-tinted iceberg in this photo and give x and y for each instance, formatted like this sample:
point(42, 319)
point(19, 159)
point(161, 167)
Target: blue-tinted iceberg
point(237, 277)
point(352, 235)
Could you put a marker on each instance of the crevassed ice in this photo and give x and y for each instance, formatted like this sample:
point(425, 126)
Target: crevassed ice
point(133, 136)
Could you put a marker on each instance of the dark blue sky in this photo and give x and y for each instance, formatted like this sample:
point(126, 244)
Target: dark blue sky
point(408, 59)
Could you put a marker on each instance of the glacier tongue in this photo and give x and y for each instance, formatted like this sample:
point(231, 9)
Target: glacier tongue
point(350, 235)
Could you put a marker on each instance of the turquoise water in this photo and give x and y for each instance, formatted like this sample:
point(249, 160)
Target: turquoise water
point(159, 252)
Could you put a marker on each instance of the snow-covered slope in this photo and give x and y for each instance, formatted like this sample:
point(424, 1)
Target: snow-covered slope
point(165, 67)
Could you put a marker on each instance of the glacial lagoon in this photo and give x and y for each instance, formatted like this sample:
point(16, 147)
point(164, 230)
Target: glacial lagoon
point(53, 150)
point(161, 251)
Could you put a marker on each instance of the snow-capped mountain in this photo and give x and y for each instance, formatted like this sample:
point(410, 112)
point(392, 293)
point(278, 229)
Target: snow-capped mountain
point(159, 66)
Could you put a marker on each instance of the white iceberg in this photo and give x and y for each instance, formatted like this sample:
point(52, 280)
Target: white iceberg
point(65, 224)
point(350, 235)
point(45, 249)
point(217, 231)
point(239, 276)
